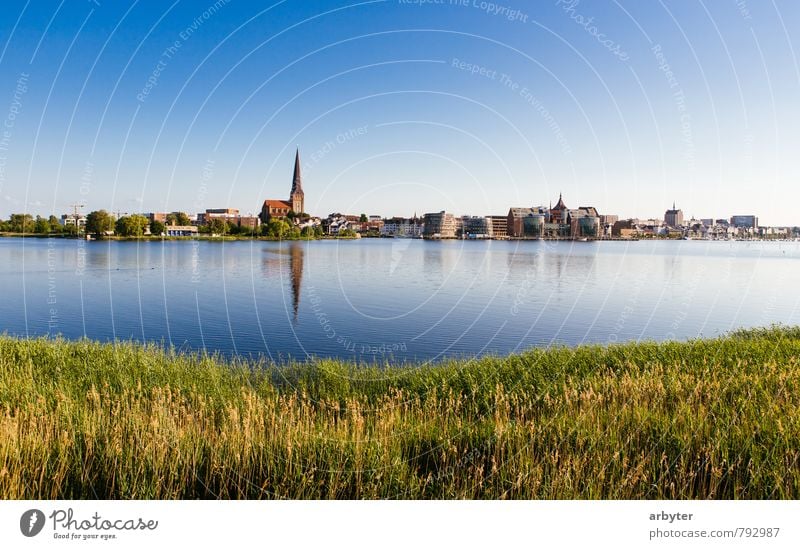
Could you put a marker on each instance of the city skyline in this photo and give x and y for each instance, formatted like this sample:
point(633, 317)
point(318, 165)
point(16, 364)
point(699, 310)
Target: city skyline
point(401, 107)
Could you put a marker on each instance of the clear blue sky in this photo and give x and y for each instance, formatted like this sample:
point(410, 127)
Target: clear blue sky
point(647, 103)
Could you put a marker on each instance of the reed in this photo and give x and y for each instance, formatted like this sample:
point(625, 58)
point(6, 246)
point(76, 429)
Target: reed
point(702, 419)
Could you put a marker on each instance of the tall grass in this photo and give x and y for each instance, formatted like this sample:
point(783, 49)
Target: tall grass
point(704, 419)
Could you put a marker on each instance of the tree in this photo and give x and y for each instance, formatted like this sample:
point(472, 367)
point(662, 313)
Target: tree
point(55, 226)
point(310, 231)
point(157, 227)
point(131, 225)
point(41, 226)
point(99, 222)
point(178, 218)
point(363, 218)
point(347, 233)
point(277, 228)
point(21, 223)
point(218, 226)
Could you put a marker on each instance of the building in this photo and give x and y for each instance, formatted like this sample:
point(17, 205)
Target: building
point(559, 213)
point(160, 217)
point(587, 226)
point(440, 225)
point(607, 223)
point(673, 218)
point(476, 227)
point(180, 230)
point(744, 222)
point(402, 227)
point(526, 222)
point(247, 222)
point(499, 226)
point(230, 215)
point(296, 203)
point(73, 220)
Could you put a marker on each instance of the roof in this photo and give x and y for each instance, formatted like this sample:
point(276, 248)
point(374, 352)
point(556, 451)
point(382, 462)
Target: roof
point(560, 204)
point(297, 180)
point(277, 204)
point(523, 212)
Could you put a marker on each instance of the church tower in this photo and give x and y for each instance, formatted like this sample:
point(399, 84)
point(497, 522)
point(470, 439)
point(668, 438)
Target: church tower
point(297, 197)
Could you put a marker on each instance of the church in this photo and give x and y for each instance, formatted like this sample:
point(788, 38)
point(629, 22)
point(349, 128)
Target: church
point(279, 209)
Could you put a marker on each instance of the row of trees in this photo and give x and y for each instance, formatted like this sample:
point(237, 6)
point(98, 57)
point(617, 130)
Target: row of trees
point(101, 223)
point(26, 223)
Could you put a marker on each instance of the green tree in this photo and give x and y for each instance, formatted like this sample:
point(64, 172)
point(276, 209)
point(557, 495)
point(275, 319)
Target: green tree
point(157, 227)
point(55, 226)
point(347, 233)
point(178, 218)
point(41, 226)
point(131, 225)
point(218, 226)
point(21, 223)
point(99, 222)
point(363, 218)
point(5, 226)
point(277, 228)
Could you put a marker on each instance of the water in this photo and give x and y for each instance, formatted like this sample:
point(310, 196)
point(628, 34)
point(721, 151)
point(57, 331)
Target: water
point(376, 299)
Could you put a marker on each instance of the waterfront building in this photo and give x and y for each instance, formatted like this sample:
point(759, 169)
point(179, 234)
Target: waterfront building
point(402, 227)
point(744, 222)
point(439, 225)
point(584, 222)
point(587, 226)
point(558, 214)
point(674, 217)
point(499, 226)
point(476, 227)
point(180, 230)
point(526, 222)
point(280, 209)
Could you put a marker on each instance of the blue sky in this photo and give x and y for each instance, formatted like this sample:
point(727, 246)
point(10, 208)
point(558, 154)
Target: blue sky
point(401, 107)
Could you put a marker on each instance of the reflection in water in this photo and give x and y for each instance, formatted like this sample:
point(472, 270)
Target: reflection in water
point(296, 269)
point(275, 261)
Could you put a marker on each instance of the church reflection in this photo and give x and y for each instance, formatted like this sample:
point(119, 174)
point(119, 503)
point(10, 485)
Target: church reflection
point(274, 265)
point(296, 270)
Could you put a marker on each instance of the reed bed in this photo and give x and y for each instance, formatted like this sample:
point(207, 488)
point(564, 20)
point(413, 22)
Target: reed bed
point(703, 419)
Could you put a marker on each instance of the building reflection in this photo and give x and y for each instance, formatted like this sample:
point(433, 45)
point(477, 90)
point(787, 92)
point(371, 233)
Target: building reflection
point(296, 253)
point(274, 265)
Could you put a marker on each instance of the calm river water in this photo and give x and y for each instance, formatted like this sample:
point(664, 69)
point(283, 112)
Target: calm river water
point(377, 299)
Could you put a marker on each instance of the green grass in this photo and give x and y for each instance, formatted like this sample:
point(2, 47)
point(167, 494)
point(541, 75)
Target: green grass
point(704, 419)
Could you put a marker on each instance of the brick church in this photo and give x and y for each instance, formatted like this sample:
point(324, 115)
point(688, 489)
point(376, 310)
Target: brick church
point(280, 208)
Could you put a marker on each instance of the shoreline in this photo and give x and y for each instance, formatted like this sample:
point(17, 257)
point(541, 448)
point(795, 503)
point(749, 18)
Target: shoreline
point(231, 238)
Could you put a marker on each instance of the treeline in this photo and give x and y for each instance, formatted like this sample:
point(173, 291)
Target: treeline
point(101, 223)
point(26, 223)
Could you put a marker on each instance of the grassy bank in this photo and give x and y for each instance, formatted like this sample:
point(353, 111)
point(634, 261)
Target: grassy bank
point(705, 419)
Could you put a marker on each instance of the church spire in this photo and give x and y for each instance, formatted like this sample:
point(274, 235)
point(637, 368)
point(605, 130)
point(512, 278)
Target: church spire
point(297, 196)
point(297, 181)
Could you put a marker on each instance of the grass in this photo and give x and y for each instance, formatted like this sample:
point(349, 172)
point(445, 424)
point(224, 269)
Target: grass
point(703, 419)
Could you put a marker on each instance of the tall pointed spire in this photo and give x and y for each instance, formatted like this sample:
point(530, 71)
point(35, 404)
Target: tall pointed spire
point(297, 181)
point(297, 196)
